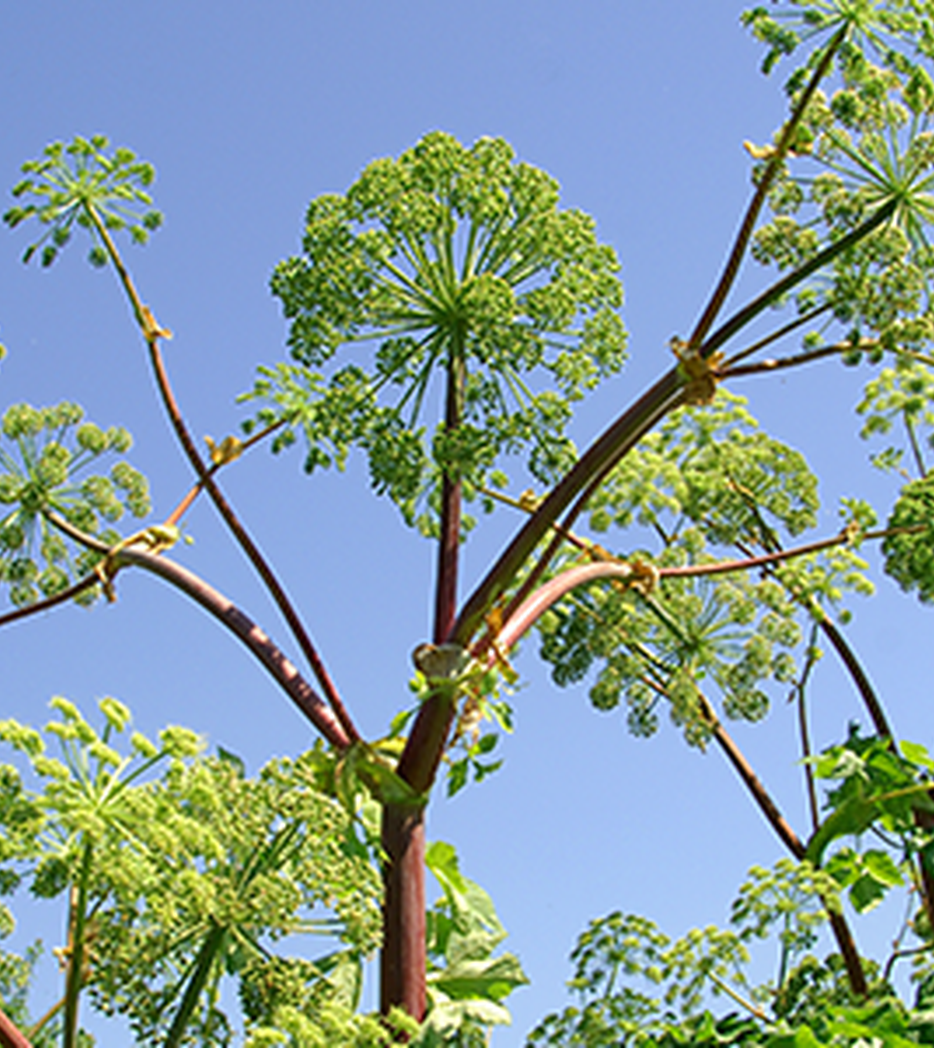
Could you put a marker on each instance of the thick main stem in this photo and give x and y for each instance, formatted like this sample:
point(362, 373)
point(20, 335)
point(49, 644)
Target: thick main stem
point(404, 959)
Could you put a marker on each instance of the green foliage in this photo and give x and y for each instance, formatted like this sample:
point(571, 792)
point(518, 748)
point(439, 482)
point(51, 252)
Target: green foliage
point(902, 394)
point(880, 791)
point(189, 876)
point(70, 182)
point(637, 987)
point(707, 485)
point(909, 549)
point(466, 982)
point(865, 142)
point(449, 259)
point(897, 32)
point(457, 265)
point(43, 454)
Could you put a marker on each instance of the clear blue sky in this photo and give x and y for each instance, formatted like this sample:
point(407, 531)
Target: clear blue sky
point(249, 110)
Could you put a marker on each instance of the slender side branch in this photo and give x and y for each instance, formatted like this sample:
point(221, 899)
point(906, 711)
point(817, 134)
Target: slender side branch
point(772, 294)
point(593, 466)
point(731, 269)
point(49, 602)
point(229, 615)
point(780, 363)
point(804, 731)
point(152, 333)
point(773, 336)
point(182, 508)
point(548, 594)
point(858, 674)
point(730, 370)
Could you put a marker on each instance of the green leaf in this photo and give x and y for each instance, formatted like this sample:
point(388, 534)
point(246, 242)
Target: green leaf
point(233, 760)
point(881, 866)
point(492, 979)
point(852, 817)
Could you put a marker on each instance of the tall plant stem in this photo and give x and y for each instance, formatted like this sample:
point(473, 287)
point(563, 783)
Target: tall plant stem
point(76, 931)
point(450, 525)
point(403, 960)
point(152, 333)
point(229, 615)
point(735, 258)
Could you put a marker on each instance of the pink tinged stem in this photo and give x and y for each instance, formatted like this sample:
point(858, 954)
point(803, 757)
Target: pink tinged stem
point(230, 616)
point(548, 595)
point(10, 1037)
point(450, 526)
point(403, 961)
point(247, 544)
point(593, 466)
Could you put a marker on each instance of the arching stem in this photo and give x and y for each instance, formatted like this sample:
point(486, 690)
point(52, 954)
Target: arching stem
point(152, 333)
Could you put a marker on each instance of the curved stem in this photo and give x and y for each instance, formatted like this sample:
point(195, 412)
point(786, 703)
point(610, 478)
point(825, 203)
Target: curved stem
point(592, 468)
point(10, 1037)
point(551, 592)
point(152, 333)
point(857, 674)
point(421, 755)
point(49, 602)
point(229, 615)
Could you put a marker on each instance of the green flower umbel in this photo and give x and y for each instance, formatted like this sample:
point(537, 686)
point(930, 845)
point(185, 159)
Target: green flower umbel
point(458, 263)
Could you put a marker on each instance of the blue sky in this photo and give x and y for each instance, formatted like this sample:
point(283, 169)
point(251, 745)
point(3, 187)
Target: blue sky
point(249, 110)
